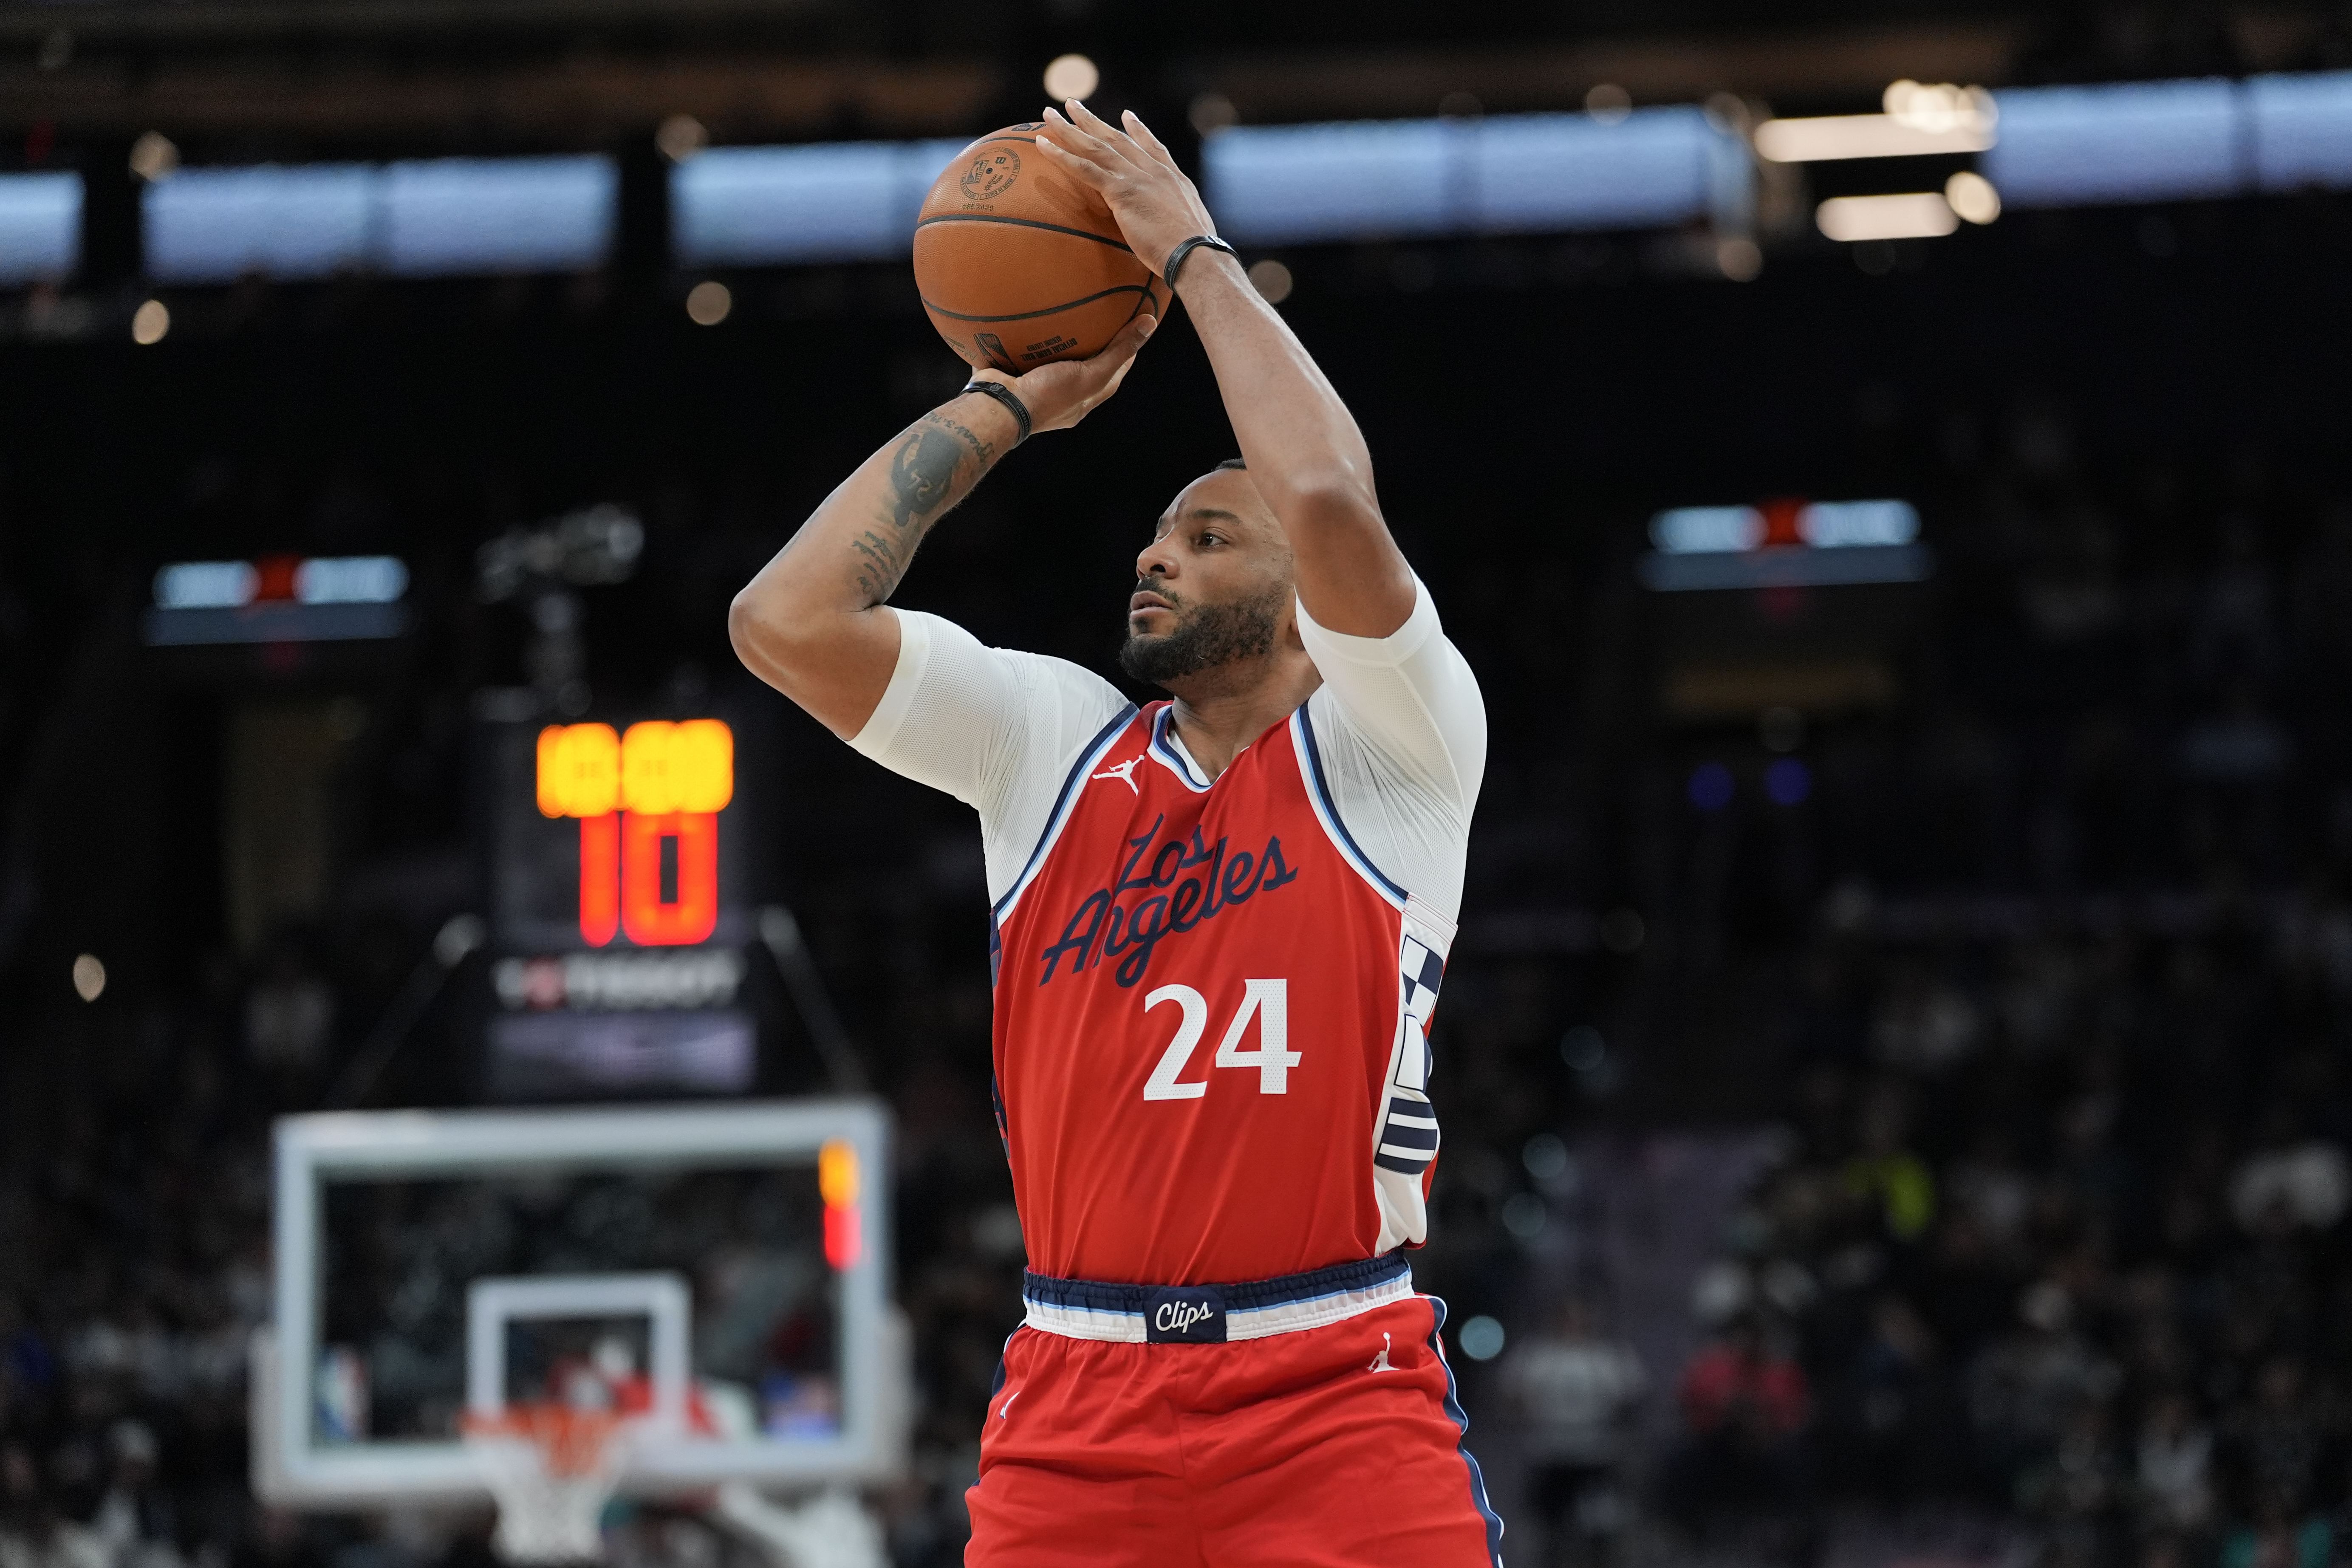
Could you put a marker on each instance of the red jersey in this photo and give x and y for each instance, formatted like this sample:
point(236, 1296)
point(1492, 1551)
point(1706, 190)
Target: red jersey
point(1211, 1022)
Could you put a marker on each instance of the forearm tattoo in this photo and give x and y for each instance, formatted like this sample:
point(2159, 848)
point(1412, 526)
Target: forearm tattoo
point(925, 477)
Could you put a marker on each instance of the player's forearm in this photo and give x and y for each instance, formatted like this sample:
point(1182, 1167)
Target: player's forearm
point(808, 624)
point(1305, 453)
point(856, 546)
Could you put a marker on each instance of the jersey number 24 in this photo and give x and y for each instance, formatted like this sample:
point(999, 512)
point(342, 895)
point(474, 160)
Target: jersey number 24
point(1265, 1002)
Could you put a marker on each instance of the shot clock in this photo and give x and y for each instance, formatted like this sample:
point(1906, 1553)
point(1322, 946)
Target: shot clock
point(618, 906)
point(615, 836)
point(648, 800)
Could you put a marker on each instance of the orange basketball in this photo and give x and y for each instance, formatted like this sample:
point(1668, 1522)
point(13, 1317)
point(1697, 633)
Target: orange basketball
point(1019, 264)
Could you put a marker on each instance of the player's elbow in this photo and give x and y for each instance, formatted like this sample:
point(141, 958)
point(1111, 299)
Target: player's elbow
point(1337, 501)
point(766, 636)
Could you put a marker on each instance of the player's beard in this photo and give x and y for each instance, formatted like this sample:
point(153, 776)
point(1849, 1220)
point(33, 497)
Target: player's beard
point(1207, 636)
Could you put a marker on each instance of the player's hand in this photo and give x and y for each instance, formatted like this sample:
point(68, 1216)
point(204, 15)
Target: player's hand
point(1057, 396)
point(1157, 207)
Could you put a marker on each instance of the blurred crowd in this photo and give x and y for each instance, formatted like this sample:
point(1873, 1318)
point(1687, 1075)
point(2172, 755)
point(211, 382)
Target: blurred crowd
point(2052, 993)
point(2057, 1229)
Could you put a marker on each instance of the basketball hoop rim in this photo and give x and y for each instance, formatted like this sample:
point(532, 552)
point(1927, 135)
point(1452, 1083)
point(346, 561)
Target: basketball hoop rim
point(573, 1442)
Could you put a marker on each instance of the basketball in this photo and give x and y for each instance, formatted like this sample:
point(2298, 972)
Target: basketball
point(1018, 264)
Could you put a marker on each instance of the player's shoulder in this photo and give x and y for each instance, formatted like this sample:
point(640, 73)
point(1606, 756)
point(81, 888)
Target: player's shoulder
point(1078, 691)
point(1065, 709)
point(929, 639)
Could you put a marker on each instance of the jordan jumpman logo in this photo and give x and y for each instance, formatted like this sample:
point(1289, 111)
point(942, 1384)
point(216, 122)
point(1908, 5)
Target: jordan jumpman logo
point(1125, 772)
point(1380, 1362)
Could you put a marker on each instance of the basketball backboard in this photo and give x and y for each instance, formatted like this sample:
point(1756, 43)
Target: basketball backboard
point(716, 1273)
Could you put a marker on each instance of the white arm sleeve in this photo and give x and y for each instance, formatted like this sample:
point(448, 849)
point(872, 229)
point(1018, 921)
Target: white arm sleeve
point(1403, 732)
point(994, 727)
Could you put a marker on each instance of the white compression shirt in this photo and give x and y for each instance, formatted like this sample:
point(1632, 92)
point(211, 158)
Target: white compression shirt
point(1398, 720)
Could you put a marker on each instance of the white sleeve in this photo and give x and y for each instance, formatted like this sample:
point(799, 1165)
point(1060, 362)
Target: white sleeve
point(995, 728)
point(1401, 730)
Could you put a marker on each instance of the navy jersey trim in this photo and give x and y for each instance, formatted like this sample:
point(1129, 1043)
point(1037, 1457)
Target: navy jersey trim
point(1461, 1420)
point(1063, 804)
point(1165, 753)
point(1327, 809)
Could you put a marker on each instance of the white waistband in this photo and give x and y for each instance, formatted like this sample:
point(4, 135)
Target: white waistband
point(1241, 1323)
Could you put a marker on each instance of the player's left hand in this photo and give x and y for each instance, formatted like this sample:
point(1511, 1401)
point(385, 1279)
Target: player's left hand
point(1059, 394)
point(1157, 207)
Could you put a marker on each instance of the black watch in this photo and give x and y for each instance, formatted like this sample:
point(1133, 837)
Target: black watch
point(1185, 248)
point(1012, 401)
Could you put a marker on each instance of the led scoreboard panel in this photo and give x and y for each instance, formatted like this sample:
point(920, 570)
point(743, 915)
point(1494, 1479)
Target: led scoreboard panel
point(619, 910)
point(616, 836)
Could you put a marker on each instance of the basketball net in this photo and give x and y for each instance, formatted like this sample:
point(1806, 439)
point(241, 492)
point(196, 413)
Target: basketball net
point(552, 1467)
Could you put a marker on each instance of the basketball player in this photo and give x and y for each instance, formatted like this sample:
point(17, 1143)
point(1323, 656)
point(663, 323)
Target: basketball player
point(1220, 925)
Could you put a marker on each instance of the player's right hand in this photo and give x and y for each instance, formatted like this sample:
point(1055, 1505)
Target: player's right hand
point(1059, 395)
point(1156, 204)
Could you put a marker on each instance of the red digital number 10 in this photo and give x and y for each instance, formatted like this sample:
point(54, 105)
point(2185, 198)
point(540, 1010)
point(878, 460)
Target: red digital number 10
point(660, 782)
point(621, 877)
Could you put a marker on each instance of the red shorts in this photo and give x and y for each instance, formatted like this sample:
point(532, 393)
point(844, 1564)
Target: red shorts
point(1337, 1446)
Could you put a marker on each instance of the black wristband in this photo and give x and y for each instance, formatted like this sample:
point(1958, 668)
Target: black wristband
point(1005, 394)
point(1186, 247)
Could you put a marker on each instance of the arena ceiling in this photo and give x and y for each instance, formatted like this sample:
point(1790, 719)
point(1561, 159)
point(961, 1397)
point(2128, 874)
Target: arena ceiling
point(292, 77)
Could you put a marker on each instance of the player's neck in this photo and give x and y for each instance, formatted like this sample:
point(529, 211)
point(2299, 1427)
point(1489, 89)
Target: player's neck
point(1219, 711)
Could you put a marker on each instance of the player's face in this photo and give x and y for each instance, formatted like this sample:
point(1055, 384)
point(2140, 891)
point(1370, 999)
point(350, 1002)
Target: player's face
point(1213, 585)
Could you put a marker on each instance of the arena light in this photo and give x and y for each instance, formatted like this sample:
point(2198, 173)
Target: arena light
point(1272, 279)
point(1857, 524)
point(1921, 118)
point(1608, 102)
point(1622, 169)
point(279, 598)
point(450, 216)
point(2129, 141)
point(40, 227)
point(849, 201)
point(1832, 138)
point(680, 137)
point(216, 225)
point(2301, 130)
point(1972, 197)
point(1913, 215)
point(708, 302)
point(206, 585)
point(1823, 525)
point(1939, 107)
point(1071, 76)
point(428, 218)
point(1785, 544)
point(154, 157)
point(351, 579)
point(1706, 529)
point(1507, 173)
point(1612, 167)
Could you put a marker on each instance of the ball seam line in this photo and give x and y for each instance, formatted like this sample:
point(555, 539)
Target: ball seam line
point(1048, 310)
point(1025, 222)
